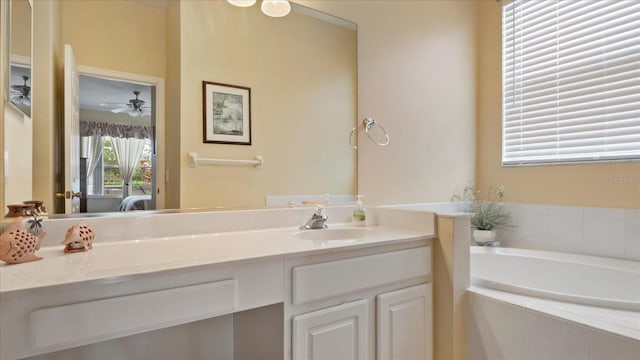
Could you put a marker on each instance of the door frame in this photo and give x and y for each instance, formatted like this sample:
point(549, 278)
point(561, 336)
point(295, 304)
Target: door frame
point(159, 84)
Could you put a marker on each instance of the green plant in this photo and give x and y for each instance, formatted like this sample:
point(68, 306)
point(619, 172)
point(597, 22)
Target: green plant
point(489, 214)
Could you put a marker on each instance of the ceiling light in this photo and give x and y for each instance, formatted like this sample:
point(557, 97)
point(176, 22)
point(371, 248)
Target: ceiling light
point(275, 8)
point(242, 3)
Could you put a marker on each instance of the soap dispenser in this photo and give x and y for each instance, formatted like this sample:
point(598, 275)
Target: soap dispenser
point(359, 215)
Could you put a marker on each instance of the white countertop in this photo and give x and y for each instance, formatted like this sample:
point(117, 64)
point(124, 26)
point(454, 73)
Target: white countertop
point(110, 260)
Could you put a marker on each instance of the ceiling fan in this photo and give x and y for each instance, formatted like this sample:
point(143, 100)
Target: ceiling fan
point(21, 94)
point(135, 107)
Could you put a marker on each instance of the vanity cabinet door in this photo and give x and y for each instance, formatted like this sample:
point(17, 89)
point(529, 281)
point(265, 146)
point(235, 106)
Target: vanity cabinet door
point(338, 332)
point(404, 323)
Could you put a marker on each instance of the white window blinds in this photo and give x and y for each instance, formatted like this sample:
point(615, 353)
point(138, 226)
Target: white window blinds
point(571, 81)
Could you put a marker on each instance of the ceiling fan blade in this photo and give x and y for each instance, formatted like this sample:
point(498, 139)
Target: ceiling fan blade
point(119, 110)
point(113, 105)
point(20, 100)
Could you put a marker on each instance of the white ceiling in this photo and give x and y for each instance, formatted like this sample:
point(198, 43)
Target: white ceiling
point(95, 90)
point(17, 71)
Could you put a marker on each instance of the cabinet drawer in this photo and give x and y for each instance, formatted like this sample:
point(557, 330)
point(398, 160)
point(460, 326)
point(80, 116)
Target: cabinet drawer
point(98, 320)
point(333, 278)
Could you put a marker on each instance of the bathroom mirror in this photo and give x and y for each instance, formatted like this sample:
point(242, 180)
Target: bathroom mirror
point(17, 123)
point(289, 64)
point(20, 55)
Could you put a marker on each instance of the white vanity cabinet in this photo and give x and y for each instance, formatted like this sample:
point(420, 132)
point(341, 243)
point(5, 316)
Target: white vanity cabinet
point(373, 306)
point(253, 295)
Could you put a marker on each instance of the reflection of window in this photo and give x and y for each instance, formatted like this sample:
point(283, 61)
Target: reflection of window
point(107, 172)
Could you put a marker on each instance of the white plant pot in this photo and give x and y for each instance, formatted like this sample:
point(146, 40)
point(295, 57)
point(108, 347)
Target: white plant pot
point(484, 237)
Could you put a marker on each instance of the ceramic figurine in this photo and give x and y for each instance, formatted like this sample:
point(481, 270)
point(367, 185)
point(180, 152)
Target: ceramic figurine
point(19, 246)
point(79, 238)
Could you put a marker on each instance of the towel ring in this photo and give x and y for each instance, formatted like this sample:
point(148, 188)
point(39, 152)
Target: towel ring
point(368, 124)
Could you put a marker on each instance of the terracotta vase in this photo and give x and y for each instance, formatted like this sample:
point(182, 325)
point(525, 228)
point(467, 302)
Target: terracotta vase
point(19, 210)
point(38, 206)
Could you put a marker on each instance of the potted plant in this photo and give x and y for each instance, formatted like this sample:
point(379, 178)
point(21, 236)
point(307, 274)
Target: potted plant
point(488, 215)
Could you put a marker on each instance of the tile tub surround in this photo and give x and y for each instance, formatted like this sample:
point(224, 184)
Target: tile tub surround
point(607, 232)
point(509, 326)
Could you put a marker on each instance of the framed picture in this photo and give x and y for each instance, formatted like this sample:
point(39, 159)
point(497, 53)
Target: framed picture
point(226, 113)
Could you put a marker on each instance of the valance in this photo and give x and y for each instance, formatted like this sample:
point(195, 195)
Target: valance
point(89, 128)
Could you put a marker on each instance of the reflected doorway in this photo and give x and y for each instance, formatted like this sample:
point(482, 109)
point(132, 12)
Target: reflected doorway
point(118, 147)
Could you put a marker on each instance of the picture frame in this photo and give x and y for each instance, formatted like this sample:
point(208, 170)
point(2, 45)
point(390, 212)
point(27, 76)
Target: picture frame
point(226, 113)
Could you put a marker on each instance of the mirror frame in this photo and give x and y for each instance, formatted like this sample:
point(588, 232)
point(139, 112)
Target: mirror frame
point(4, 84)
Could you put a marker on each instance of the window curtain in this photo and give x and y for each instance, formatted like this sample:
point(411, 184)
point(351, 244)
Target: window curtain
point(128, 152)
point(92, 150)
point(88, 128)
point(128, 144)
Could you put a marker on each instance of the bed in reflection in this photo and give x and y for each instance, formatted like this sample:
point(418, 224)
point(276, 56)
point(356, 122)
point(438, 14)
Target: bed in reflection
point(135, 202)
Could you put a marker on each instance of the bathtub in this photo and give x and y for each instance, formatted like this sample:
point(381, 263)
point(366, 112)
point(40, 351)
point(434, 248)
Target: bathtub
point(588, 280)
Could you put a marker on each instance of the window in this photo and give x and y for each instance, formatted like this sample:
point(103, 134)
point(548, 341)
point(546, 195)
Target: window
point(107, 173)
point(571, 81)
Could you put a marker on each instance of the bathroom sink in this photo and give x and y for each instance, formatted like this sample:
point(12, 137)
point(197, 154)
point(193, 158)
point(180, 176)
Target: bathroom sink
point(333, 234)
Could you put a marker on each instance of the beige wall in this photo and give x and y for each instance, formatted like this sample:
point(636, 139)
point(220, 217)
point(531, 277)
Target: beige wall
point(602, 185)
point(416, 76)
point(172, 123)
point(117, 35)
point(20, 30)
point(46, 104)
point(18, 146)
point(303, 97)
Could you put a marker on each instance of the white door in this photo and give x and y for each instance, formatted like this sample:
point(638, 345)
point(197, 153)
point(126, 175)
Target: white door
point(71, 133)
point(335, 333)
point(405, 324)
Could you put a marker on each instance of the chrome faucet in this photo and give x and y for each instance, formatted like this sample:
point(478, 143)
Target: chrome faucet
point(317, 220)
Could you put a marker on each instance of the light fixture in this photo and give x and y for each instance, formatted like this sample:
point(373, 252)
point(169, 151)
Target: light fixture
point(135, 107)
point(275, 8)
point(242, 3)
point(21, 94)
